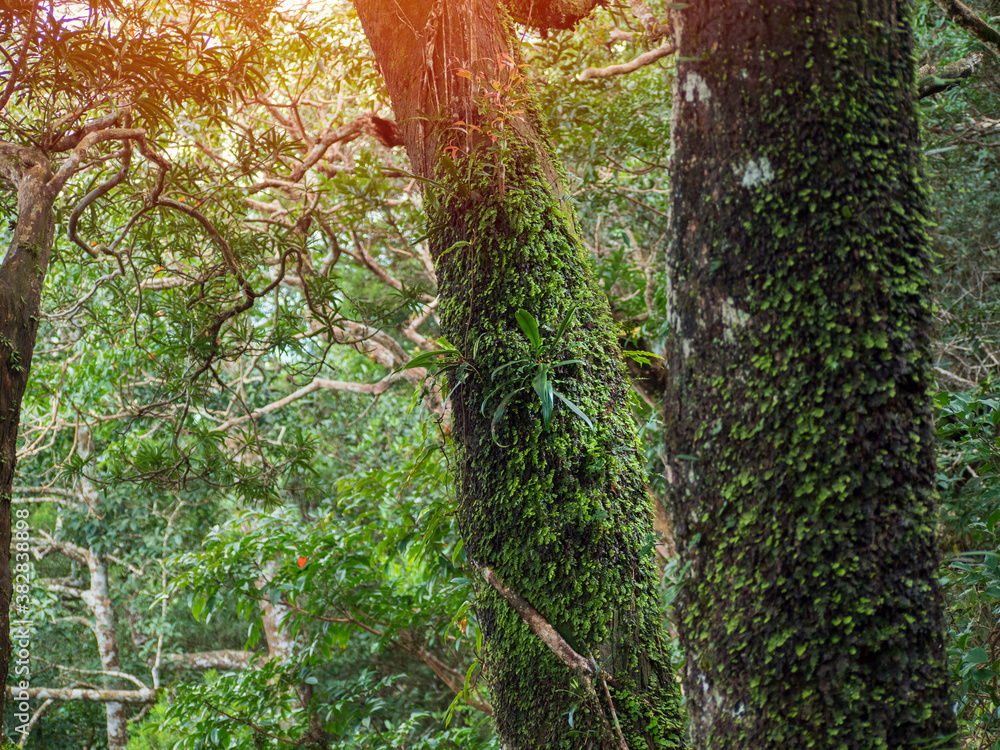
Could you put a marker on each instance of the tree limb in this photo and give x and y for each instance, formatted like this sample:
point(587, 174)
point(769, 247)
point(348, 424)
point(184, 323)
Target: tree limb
point(233, 659)
point(650, 23)
point(586, 668)
point(962, 15)
point(144, 695)
point(16, 68)
point(933, 80)
point(374, 389)
point(646, 58)
point(31, 722)
point(98, 123)
point(539, 626)
point(75, 158)
point(103, 189)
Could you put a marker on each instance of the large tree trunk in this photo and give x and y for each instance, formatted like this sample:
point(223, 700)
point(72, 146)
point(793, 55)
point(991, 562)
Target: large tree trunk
point(555, 518)
point(801, 467)
point(21, 276)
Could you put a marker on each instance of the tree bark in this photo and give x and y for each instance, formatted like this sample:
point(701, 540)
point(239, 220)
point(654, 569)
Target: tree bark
point(800, 441)
point(143, 695)
point(556, 518)
point(228, 659)
point(22, 274)
point(98, 600)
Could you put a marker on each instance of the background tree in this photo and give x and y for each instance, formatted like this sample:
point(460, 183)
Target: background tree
point(75, 87)
point(960, 136)
point(801, 469)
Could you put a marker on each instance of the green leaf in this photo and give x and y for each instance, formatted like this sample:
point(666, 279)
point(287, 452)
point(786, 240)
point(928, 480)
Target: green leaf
point(992, 521)
point(640, 356)
point(976, 655)
point(197, 607)
point(529, 325)
point(426, 358)
point(543, 387)
point(521, 362)
point(574, 408)
point(498, 412)
point(566, 323)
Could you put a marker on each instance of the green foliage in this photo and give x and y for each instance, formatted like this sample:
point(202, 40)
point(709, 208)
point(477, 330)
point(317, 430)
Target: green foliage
point(151, 734)
point(344, 503)
point(377, 575)
point(969, 481)
point(537, 370)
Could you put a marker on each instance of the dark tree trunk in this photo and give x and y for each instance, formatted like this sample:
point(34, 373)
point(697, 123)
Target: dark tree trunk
point(21, 277)
point(801, 468)
point(555, 518)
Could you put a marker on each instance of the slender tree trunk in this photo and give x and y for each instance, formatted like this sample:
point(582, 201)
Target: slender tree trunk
point(98, 599)
point(21, 276)
point(556, 519)
point(801, 467)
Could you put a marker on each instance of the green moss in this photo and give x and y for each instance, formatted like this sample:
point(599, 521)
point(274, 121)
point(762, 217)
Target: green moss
point(812, 606)
point(560, 513)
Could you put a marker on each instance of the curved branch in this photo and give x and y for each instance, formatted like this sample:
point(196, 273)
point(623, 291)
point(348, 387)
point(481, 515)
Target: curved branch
point(83, 694)
point(374, 389)
point(71, 141)
point(220, 241)
point(73, 161)
point(650, 23)
point(26, 731)
point(102, 189)
point(222, 659)
point(646, 58)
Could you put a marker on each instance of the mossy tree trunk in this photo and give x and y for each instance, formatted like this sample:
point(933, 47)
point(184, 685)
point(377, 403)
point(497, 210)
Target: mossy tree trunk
point(22, 274)
point(555, 518)
point(801, 467)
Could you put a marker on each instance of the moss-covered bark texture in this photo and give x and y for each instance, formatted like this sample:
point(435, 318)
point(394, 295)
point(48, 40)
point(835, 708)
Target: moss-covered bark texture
point(559, 513)
point(22, 274)
point(801, 464)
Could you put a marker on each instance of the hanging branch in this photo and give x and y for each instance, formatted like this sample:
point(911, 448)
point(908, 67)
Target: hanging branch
point(540, 627)
point(587, 669)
